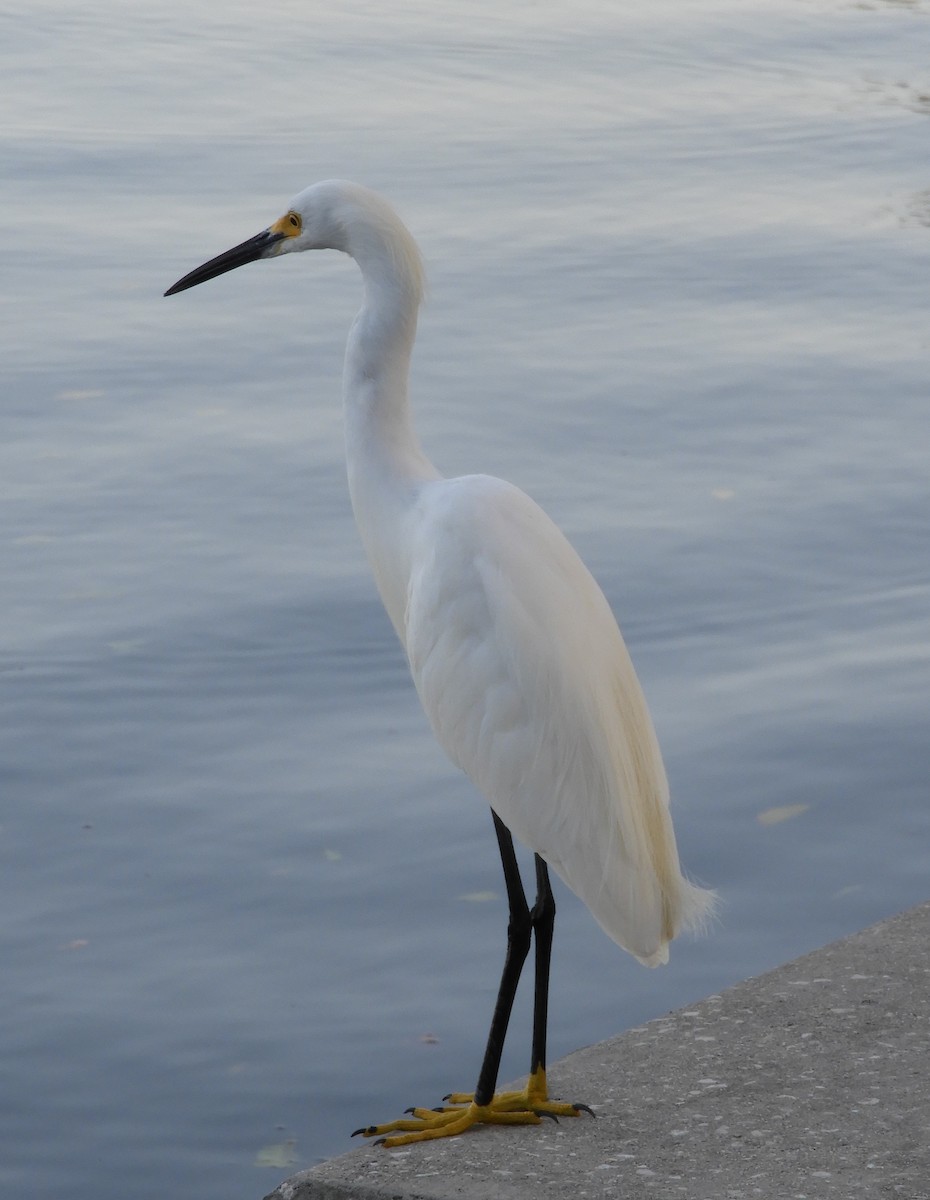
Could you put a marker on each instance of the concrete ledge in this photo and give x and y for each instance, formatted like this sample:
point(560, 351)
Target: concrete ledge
point(810, 1081)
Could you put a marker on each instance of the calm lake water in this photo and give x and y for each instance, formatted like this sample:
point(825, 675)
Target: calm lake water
point(679, 261)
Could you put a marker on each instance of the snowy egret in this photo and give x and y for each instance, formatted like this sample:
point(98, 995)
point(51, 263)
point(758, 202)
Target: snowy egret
point(513, 649)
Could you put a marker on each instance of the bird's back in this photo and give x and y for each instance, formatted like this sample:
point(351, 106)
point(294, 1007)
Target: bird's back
point(529, 688)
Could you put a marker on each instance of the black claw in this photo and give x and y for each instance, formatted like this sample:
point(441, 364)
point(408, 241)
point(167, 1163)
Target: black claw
point(438, 1108)
point(540, 1112)
point(584, 1108)
point(366, 1130)
point(379, 1142)
point(409, 1110)
point(448, 1097)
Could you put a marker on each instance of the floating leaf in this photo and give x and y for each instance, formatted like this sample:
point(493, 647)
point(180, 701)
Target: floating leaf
point(127, 646)
point(281, 1154)
point(784, 812)
point(478, 897)
point(722, 493)
point(83, 595)
point(429, 1039)
point(332, 856)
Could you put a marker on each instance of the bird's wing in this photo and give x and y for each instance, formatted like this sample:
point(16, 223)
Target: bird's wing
point(529, 688)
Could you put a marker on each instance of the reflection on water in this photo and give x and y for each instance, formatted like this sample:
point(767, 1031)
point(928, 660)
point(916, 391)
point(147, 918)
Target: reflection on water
point(678, 272)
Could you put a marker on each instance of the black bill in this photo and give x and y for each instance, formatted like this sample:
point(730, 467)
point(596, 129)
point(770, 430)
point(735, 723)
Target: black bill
point(246, 252)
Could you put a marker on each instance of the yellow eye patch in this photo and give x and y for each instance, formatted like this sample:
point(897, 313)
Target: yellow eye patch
point(288, 226)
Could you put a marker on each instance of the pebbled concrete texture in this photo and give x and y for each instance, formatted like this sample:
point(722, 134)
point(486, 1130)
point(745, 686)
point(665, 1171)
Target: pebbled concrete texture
point(810, 1081)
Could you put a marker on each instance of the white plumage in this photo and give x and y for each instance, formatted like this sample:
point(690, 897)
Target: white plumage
point(514, 651)
point(529, 688)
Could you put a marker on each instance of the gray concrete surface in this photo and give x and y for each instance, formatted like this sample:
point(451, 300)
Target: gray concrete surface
point(810, 1081)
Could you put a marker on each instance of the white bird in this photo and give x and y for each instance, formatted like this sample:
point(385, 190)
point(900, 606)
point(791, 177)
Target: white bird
point(513, 649)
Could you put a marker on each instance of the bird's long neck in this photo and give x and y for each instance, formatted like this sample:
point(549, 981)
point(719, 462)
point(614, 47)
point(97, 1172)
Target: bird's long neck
point(381, 443)
point(386, 465)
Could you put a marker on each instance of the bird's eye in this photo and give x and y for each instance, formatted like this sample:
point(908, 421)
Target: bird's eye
point(293, 220)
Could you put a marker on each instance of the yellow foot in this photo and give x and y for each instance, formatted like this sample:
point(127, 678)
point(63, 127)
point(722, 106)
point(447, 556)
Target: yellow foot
point(506, 1108)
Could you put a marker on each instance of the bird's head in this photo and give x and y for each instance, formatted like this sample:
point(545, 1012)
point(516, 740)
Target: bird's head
point(316, 219)
point(333, 215)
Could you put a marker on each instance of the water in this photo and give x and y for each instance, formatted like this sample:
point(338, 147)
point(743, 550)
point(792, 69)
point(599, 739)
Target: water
point(678, 262)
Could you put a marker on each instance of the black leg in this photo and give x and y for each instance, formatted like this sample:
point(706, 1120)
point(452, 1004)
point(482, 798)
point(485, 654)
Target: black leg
point(518, 946)
point(524, 1107)
point(542, 918)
